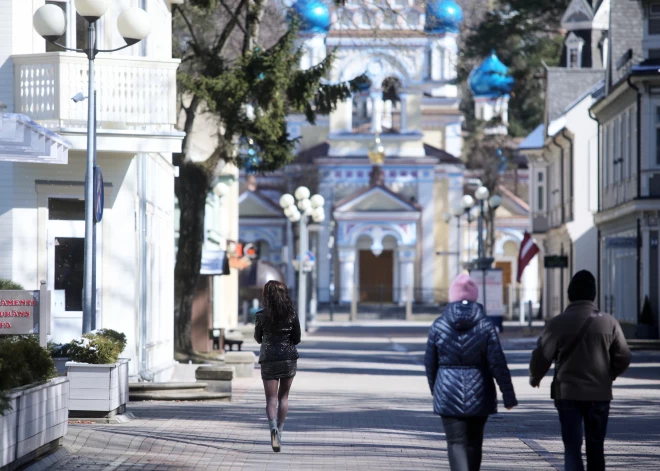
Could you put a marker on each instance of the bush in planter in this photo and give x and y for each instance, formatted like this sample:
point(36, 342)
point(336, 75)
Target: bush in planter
point(22, 362)
point(101, 347)
point(6, 284)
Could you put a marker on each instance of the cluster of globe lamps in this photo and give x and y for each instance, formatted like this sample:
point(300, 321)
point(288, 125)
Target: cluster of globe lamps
point(306, 205)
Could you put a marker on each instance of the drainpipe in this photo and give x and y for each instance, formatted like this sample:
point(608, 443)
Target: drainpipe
point(570, 171)
point(142, 294)
point(598, 245)
point(639, 187)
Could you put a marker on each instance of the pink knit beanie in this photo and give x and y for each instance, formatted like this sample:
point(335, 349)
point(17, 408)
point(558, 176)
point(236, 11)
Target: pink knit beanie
point(463, 289)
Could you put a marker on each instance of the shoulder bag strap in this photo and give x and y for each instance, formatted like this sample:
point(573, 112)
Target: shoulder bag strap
point(578, 338)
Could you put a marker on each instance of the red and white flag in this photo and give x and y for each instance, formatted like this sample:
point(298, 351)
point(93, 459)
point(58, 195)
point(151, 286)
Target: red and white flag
point(528, 250)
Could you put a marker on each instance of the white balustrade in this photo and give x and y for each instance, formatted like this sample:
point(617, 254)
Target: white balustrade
point(132, 92)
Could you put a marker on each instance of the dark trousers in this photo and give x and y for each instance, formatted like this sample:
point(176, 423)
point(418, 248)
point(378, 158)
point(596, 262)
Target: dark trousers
point(465, 438)
point(593, 416)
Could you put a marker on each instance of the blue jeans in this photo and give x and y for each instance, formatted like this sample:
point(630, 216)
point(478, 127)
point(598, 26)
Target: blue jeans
point(593, 416)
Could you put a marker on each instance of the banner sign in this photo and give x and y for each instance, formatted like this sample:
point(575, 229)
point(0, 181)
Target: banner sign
point(19, 312)
point(494, 294)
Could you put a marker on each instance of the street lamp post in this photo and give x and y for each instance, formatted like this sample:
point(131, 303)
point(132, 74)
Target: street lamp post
point(133, 25)
point(483, 263)
point(300, 212)
point(462, 207)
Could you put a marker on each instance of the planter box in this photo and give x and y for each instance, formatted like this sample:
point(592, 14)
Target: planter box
point(35, 424)
point(98, 390)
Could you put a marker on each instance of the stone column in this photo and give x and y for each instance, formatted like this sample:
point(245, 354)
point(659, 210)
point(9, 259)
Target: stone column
point(376, 111)
point(323, 255)
point(348, 117)
point(347, 257)
point(406, 260)
point(403, 97)
point(427, 244)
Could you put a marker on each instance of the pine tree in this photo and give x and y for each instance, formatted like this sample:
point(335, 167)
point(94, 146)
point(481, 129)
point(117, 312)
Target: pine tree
point(240, 65)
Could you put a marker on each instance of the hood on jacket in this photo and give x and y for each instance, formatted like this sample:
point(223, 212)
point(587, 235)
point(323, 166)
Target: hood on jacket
point(464, 315)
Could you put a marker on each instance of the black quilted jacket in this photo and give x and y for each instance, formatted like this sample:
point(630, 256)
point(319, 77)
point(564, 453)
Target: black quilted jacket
point(463, 356)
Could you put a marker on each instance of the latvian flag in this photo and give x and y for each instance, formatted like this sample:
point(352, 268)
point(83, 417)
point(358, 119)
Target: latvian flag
point(528, 249)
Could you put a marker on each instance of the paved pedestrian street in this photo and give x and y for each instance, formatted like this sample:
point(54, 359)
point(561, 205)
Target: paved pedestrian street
point(361, 402)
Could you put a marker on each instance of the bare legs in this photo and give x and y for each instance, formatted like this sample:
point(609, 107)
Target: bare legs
point(277, 398)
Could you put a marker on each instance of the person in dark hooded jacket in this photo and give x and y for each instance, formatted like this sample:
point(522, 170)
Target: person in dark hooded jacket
point(463, 358)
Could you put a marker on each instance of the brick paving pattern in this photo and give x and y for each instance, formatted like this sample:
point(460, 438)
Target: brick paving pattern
point(360, 402)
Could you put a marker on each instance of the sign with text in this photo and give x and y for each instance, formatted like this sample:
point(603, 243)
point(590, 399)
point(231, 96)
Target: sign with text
point(19, 312)
point(555, 261)
point(494, 298)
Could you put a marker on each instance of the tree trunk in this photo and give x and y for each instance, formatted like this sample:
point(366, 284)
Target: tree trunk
point(191, 190)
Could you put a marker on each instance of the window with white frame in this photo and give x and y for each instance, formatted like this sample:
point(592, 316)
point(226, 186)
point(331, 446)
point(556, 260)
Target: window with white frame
point(574, 45)
point(654, 18)
point(540, 191)
point(74, 38)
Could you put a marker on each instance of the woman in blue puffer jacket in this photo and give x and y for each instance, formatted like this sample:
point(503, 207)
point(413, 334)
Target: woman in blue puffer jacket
point(463, 356)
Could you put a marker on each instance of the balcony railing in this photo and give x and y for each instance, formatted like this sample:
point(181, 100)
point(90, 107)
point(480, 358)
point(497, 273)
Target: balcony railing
point(136, 93)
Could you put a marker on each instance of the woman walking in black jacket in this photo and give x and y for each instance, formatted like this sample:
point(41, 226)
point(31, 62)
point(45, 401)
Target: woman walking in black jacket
point(277, 329)
point(463, 356)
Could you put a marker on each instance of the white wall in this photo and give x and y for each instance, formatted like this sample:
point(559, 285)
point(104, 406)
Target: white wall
point(582, 230)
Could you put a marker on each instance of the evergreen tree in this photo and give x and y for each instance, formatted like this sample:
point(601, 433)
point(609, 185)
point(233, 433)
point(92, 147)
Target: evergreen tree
point(239, 64)
point(525, 34)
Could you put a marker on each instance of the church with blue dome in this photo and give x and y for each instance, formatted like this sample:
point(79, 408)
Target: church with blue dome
point(313, 16)
point(443, 16)
point(388, 160)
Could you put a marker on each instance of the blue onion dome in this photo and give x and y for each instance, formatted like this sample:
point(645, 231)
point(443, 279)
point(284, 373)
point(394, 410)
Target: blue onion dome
point(443, 16)
point(491, 78)
point(314, 16)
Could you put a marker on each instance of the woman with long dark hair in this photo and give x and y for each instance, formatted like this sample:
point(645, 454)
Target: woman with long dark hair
point(277, 329)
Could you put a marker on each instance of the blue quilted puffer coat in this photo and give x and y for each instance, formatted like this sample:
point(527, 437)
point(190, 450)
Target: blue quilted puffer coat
point(463, 356)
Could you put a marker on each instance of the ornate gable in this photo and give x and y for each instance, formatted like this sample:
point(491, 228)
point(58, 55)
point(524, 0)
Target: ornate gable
point(375, 199)
point(252, 204)
point(578, 15)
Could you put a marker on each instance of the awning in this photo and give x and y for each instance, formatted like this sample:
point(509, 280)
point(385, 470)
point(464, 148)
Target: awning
point(23, 140)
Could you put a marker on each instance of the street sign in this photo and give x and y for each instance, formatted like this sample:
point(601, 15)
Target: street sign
point(555, 261)
point(494, 293)
point(19, 312)
point(98, 194)
point(621, 243)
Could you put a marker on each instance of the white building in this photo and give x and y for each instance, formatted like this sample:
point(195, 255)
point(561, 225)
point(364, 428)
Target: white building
point(42, 207)
point(629, 160)
point(562, 153)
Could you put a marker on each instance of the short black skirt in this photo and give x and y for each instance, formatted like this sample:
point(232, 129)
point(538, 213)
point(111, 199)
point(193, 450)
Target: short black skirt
point(278, 369)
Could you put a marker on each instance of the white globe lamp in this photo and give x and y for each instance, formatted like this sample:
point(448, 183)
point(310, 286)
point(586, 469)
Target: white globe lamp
point(133, 24)
point(467, 202)
point(302, 193)
point(221, 189)
point(92, 10)
point(482, 193)
point(317, 201)
point(49, 21)
point(495, 201)
point(304, 205)
point(287, 200)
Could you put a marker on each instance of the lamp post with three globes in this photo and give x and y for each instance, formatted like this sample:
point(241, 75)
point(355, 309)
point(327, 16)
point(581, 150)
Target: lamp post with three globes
point(299, 209)
point(133, 25)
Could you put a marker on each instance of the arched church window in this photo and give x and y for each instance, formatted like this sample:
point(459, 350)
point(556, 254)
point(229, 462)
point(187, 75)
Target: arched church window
point(391, 116)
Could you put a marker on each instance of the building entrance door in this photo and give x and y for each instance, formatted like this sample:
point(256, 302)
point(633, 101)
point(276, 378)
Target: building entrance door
point(507, 278)
point(376, 276)
point(66, 259)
